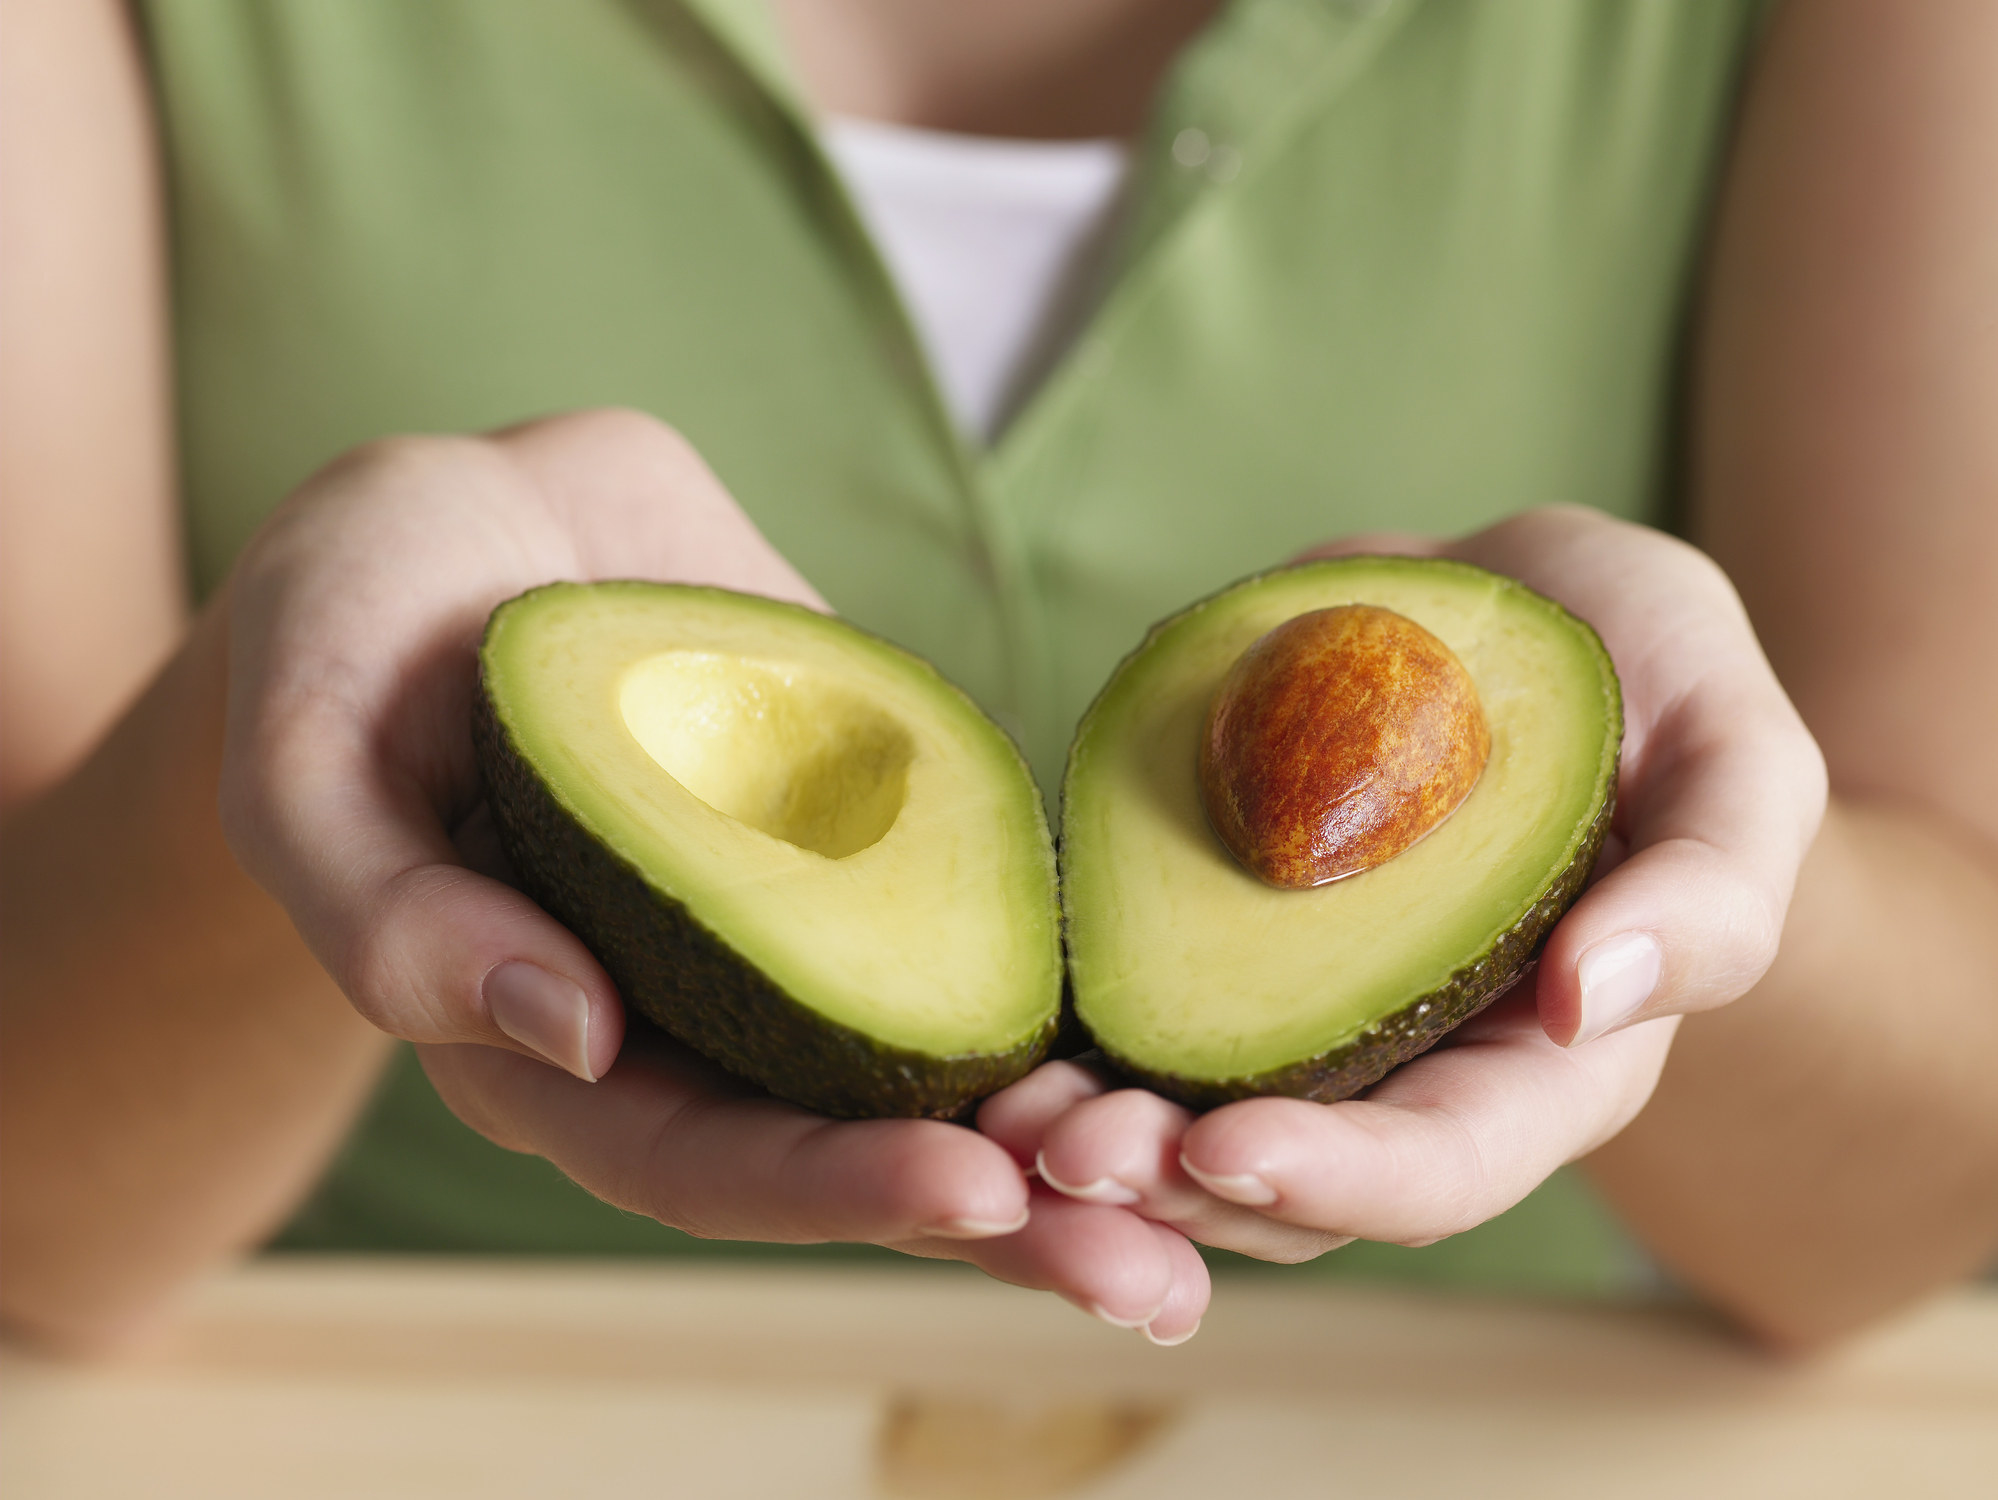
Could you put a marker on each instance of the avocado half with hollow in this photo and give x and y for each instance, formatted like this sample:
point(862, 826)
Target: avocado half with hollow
point(1210, 984)
point(793, 846)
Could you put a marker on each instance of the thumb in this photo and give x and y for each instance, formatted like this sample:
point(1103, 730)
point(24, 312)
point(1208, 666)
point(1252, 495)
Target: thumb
point(423, 947)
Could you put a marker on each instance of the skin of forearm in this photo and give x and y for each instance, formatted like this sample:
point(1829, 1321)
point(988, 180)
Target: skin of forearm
point(174, 1066)
point(1826, 1148)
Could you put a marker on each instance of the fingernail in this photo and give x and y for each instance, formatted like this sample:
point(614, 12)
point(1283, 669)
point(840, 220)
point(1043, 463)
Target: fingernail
point(1097, 1310)
point(1617, 976)
point(1242, 1187)
point(975, 1229)
point(1102, 1190)
point(1175, 1340)
point(543, 1011)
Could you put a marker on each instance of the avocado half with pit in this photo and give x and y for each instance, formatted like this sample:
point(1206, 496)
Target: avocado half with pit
point(793, 846)
point(1210, 984)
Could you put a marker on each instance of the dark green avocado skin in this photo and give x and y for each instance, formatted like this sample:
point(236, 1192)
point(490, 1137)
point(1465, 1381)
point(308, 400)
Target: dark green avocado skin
point(1405, 1033)
point(685, 979)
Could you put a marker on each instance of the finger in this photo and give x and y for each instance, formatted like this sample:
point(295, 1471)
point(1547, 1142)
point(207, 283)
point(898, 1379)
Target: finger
point(1018, 1115)
point(1681, 926)
point(1721, 787)
point(425, 949)
point(667, 1135)
point(1716, 829)
point(1111, 1264)
point(1186, 1303)
point(670, 1136)
point(643, 503)
point(1445, 1143)
point(348, 749)
point(1123, 1148)
point(353, 669)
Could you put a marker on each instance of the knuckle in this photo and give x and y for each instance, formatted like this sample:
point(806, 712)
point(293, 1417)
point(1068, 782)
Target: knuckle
point(1460, 1178)
point(241, 807)
point(398, 471)
point(392, 466)
point(1767, 913)
point(1697, 576)
point(1812, 780)
point(375, 965)
point(368, 970)
point(1721, 961)
point(654, 1181)
point(1128, 1109)
point(462, 1078)
point(411, 454)
point(638, 430)
point(256, 795)
point(1567, 513)
point(396, 460)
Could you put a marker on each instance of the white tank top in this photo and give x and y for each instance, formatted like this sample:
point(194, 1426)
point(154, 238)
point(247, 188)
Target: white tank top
point(995, 246)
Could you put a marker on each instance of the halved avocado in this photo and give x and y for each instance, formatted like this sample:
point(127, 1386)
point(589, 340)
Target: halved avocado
point(793, 846)
point(1208, 984)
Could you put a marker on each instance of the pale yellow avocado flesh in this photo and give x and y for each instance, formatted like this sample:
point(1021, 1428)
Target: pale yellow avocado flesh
point(1184, 964)
point(832, 809)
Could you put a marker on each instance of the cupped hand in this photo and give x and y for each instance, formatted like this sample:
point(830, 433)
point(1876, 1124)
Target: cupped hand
point(350, 792)
point(1720, 793)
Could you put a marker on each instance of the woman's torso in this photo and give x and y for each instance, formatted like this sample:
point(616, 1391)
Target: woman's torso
point(1408, 264)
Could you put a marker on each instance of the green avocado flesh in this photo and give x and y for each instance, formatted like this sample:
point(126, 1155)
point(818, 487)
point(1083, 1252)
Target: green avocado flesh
point(1209, 985)
point(793, 846)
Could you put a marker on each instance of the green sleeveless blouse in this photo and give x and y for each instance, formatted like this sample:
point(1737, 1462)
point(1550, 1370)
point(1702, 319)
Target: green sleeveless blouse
point(1387, 263)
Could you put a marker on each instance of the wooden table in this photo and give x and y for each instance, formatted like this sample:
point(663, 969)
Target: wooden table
point(300, 1378)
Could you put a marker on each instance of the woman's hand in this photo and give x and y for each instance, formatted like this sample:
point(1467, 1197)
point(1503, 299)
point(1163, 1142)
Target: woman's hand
point(1720, 794)
point(350, 792)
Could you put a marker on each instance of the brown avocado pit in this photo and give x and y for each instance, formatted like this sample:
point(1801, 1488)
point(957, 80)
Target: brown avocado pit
point(1336, 741)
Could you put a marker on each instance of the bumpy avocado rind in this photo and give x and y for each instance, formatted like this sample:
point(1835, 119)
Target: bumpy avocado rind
point(1124, 775)
point(682, 974)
